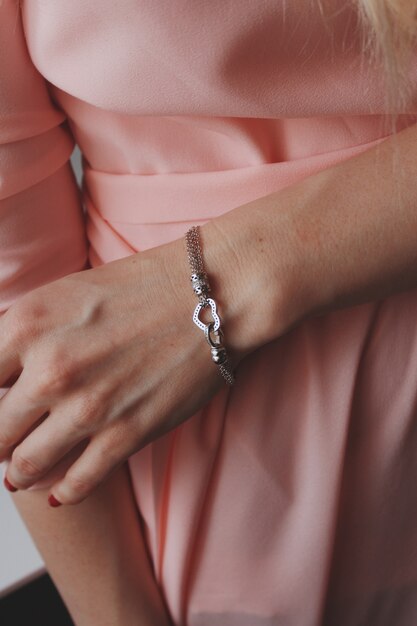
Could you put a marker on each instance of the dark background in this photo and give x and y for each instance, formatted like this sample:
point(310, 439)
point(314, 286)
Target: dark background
point(37, 603)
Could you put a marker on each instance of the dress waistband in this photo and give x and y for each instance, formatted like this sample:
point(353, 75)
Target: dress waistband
point(175, 197)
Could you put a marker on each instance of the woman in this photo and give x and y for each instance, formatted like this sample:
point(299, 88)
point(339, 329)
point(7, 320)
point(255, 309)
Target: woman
point(285, 497)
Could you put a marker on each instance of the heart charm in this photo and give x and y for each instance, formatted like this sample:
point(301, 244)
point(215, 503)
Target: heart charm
point(216, 318)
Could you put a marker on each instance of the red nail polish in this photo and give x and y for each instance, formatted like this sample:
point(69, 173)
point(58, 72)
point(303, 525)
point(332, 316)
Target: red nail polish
point(53, 501)
point(9, 485)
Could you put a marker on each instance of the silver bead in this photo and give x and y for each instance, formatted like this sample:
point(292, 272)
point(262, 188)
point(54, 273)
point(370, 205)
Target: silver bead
point(200, 284)
point(199, 277)
point(218, 355)
point(199, 289)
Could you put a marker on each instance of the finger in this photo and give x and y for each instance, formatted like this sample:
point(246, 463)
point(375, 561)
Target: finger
point(10, 360)
point(42, 449)
point(19, 410)
point(105, 452)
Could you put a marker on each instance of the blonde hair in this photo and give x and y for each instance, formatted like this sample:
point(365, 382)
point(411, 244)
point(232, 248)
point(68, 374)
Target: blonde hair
point(389, 35)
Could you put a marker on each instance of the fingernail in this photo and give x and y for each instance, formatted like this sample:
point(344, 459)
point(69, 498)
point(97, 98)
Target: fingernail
point(9, 485)
point(53, 501)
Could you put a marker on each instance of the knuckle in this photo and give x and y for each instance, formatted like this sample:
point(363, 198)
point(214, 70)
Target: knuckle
point(55, 377)
point(82, 422)
point(27, 313)
point(85, 416)
point(109, 451)
point(19, 324)
point(117, 443)
point(90, 402)
point(31, 394)
point(78, 485)
point(24, 465)
point(87, 411)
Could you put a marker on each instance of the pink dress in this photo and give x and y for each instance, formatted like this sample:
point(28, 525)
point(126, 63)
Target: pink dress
point(289, 499)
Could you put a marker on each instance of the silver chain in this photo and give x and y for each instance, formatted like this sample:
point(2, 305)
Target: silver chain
point(201, 287)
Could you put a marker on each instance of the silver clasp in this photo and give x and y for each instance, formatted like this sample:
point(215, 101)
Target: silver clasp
point(218, 351)
point(209, 302)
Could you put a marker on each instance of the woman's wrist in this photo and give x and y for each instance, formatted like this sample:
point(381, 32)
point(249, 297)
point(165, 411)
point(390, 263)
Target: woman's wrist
point(253, 275)
point(341, 237)
point(249, 291)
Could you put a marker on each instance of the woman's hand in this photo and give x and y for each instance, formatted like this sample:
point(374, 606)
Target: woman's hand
point(108, 356)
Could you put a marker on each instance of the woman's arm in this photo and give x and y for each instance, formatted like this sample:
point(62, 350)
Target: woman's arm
point(341, 237)
point(97, 556)
point(133, 365)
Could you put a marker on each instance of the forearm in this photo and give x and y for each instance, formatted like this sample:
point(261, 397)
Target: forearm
point(96, 555)
point(343, 236)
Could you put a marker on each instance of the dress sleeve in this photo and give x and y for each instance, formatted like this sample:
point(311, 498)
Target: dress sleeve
point(42, 222)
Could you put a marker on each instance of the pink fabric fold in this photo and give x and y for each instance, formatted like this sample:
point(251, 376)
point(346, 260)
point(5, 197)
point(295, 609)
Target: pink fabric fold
point(175, 197)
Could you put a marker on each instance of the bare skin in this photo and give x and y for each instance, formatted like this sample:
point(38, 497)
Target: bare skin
point(96, 555)
point(341, 237)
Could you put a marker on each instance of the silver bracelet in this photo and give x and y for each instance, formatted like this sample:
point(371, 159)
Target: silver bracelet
point(201, 287)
